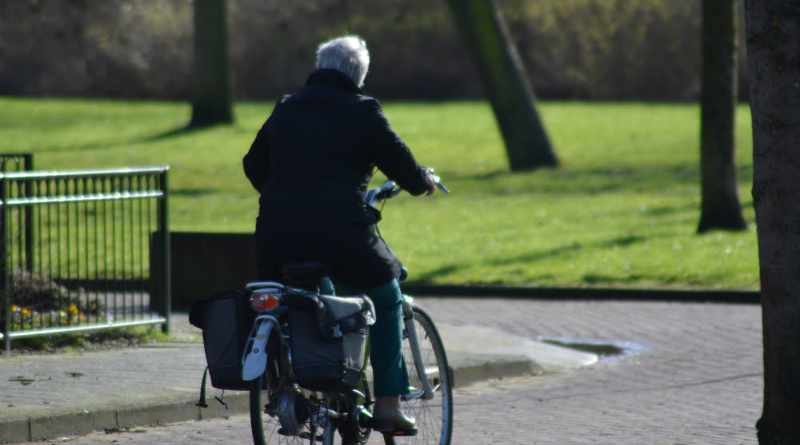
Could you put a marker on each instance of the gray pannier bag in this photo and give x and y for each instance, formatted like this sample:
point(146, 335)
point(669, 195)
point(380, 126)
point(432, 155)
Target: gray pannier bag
point(329, 341)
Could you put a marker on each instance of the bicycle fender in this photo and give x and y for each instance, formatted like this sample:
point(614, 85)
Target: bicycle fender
point(255, 360)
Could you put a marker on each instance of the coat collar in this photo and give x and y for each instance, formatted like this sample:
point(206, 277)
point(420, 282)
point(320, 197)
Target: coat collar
point(333, 79)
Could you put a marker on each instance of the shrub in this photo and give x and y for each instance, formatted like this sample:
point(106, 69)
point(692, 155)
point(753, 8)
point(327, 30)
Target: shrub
point(595, 49)
point(38, 302)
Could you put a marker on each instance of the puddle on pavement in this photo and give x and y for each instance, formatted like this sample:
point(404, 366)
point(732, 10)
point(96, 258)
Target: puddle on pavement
point(607, 350)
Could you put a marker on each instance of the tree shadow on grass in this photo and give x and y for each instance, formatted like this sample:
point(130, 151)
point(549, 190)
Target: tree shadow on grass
point(192, 192)
point(622, 241)
point(670, 210)
point(594, 279)
point(452, 175)
point(537, 256)
point(169, 134)
point(588, 181)
point(428, 277)
point(113, 143)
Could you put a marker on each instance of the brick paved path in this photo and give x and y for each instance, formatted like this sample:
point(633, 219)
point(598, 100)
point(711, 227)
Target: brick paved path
point(697, 382)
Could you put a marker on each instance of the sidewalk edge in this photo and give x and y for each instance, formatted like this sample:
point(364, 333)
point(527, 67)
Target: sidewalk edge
point(724, 296)
point(85, 422)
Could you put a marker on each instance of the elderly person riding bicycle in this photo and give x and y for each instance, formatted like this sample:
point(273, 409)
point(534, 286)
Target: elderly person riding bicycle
point(311, 162)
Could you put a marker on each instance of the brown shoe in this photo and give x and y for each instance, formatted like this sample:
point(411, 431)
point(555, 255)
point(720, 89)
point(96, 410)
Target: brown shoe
point(389, 418)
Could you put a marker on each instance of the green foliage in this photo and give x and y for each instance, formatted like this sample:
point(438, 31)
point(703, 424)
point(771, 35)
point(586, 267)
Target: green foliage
point(610, 49)
point(622, 210)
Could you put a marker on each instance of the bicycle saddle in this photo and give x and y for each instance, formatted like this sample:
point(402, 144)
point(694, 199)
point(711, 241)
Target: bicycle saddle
point(305, 274)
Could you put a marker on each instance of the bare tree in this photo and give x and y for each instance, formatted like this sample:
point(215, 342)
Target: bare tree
point(505, 82)
point(720, 208)
point(211, 103)
point(773, 44)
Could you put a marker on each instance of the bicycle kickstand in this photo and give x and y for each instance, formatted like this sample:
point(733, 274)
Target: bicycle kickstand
point(388, 439)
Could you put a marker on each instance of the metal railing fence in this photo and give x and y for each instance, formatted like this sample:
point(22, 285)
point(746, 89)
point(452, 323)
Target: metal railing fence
point(16, 162)
point(75, 251)
point(20, 162)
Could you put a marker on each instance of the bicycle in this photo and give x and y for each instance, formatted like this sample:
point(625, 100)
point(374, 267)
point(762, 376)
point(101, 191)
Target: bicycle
point(282, 412)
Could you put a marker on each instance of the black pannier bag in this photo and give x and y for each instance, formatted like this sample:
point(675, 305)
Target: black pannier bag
point(329, 341)
point(225, 319)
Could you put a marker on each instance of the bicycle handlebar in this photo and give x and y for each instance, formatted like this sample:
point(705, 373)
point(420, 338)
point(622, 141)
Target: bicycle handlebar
point(390, 189)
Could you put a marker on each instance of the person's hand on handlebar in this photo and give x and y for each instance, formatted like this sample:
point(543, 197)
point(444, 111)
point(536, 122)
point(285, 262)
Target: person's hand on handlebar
point(430, 181)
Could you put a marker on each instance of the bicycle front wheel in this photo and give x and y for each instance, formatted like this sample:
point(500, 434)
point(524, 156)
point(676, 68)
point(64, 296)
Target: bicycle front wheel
point(434, 416)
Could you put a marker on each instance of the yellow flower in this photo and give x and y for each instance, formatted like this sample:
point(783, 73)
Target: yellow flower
point(72, 309)
point(14, 308)
point(25, 312)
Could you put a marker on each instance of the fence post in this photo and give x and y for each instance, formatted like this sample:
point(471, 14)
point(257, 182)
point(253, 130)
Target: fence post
point(27, 165)
point(166, 265)
point(6, 285)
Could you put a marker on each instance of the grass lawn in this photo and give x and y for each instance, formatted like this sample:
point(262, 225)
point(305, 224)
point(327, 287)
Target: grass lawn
point(622, 210)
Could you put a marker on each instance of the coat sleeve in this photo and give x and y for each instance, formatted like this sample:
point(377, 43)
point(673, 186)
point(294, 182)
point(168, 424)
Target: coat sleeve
point(391, 154)
point(256, 161)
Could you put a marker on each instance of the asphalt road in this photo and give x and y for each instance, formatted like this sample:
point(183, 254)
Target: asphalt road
point(693, 375)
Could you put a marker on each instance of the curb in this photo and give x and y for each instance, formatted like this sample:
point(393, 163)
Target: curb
point(85, 422)
point(722, 296)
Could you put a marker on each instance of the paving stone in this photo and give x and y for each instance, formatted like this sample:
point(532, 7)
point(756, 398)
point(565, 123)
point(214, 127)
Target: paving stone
point(698, 379)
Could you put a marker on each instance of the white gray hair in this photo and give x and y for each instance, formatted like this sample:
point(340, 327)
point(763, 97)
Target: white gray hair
point(347, 55)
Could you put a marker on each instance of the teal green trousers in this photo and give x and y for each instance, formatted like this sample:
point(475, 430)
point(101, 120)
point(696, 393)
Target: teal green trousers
point(386, 336)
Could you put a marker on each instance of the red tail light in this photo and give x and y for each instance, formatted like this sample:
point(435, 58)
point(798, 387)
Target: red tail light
point(264, 302)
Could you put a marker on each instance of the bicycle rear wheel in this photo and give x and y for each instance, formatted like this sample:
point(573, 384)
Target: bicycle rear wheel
point(434, 416)
point(265, 427)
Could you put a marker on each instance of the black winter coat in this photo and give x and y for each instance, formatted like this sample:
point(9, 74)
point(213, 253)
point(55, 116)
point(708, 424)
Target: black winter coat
point(312, 161)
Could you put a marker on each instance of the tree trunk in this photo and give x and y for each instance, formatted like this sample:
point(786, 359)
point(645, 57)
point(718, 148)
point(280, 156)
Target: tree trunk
point(773, 46)
point(720, 208)
point(211, 102)
point(506, 83)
